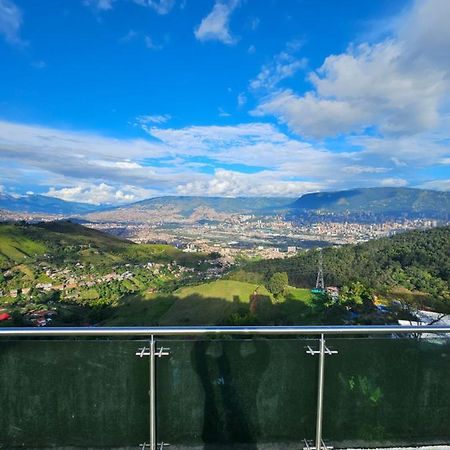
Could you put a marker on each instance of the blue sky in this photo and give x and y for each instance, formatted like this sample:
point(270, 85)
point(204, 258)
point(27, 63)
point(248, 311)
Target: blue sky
point(112, 101)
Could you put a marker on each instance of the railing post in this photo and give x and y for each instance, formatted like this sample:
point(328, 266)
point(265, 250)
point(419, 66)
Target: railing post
point(320, 394)
point(152, 394)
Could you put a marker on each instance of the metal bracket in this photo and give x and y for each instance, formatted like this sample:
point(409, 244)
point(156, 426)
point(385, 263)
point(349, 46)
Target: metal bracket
point(160, 446)
point(311, 447)
point(160, 352)
point(326, 350)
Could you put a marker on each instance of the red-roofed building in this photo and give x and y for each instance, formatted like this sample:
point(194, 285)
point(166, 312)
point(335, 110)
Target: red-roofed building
point(4, 316)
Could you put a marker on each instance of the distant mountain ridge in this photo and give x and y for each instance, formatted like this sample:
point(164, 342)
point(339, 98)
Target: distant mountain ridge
point(380, 202)
point(190, 208)
point(189, 204)
point(42, 204)
point(387, 201)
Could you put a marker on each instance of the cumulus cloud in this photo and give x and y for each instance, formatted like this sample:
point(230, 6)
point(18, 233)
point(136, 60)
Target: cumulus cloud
point(10, 21)
point(216, 25)
point(396, 86)
point(233, 184)
point(99, 194)
point(393, 182)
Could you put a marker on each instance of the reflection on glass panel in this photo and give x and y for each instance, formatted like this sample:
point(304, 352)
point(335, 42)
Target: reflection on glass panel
point(236, 393)
point(381, 392)
point(73, 393)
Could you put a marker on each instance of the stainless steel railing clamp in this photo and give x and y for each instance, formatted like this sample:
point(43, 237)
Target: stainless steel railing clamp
point(160, 352)
point(159, 446)
point(326, 351)
point(309, 446)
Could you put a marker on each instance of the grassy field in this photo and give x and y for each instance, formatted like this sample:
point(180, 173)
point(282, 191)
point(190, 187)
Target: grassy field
point(301, 294)
point(225, 289)
point(204, 304)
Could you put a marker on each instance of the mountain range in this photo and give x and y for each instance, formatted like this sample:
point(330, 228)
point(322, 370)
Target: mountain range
point(387, 201)
point(42, 204)
point(371, 202)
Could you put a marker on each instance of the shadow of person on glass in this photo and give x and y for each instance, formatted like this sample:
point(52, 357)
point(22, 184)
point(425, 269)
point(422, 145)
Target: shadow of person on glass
point(230, 372)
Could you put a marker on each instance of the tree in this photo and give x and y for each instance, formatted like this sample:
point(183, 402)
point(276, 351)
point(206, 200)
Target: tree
point(355, 295)
point(277, 283)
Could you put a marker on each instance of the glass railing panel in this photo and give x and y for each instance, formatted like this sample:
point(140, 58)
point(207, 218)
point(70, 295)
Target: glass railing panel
point(77, 394)
point(236, 393)
point(387, 392)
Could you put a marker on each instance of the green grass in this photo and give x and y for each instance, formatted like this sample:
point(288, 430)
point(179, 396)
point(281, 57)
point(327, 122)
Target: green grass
point(304, 295)
point(67, 242)
point(228, 290)
point(209, 303)
point(16, 247)
point(204, 304)
point(135, 310)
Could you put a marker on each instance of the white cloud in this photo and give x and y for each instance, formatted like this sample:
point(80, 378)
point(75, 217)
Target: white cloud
point(393, 182)
point(254, 24)
point(234, 184)
point(283, 65)
point(215, 26)
point(99, 194)
point(102, 5)
point(246, 159)
point(405, 151)
point(356, 170)
point(130, 36)
point(161, 7)
point(241, 99)
point(10, 21)
point(195, 140)
point(223, 113)
point(151, 44)
point(439, 185)
point(397, 86)
point(311, 115)
point(147, 120)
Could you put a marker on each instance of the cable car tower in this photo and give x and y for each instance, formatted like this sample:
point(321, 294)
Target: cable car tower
point(320, 284)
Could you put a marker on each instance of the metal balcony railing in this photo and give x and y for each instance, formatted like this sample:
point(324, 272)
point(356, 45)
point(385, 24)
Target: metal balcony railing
point(208, 390)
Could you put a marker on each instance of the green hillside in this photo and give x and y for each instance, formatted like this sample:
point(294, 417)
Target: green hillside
point(418, 261)
point(64, 242)
point(16, 246)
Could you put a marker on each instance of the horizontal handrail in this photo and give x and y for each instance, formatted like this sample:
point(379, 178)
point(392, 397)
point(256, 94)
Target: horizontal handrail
point(229, 330)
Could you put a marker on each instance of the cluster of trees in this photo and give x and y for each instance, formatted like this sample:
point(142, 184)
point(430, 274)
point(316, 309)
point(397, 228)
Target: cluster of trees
point(416, 260)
